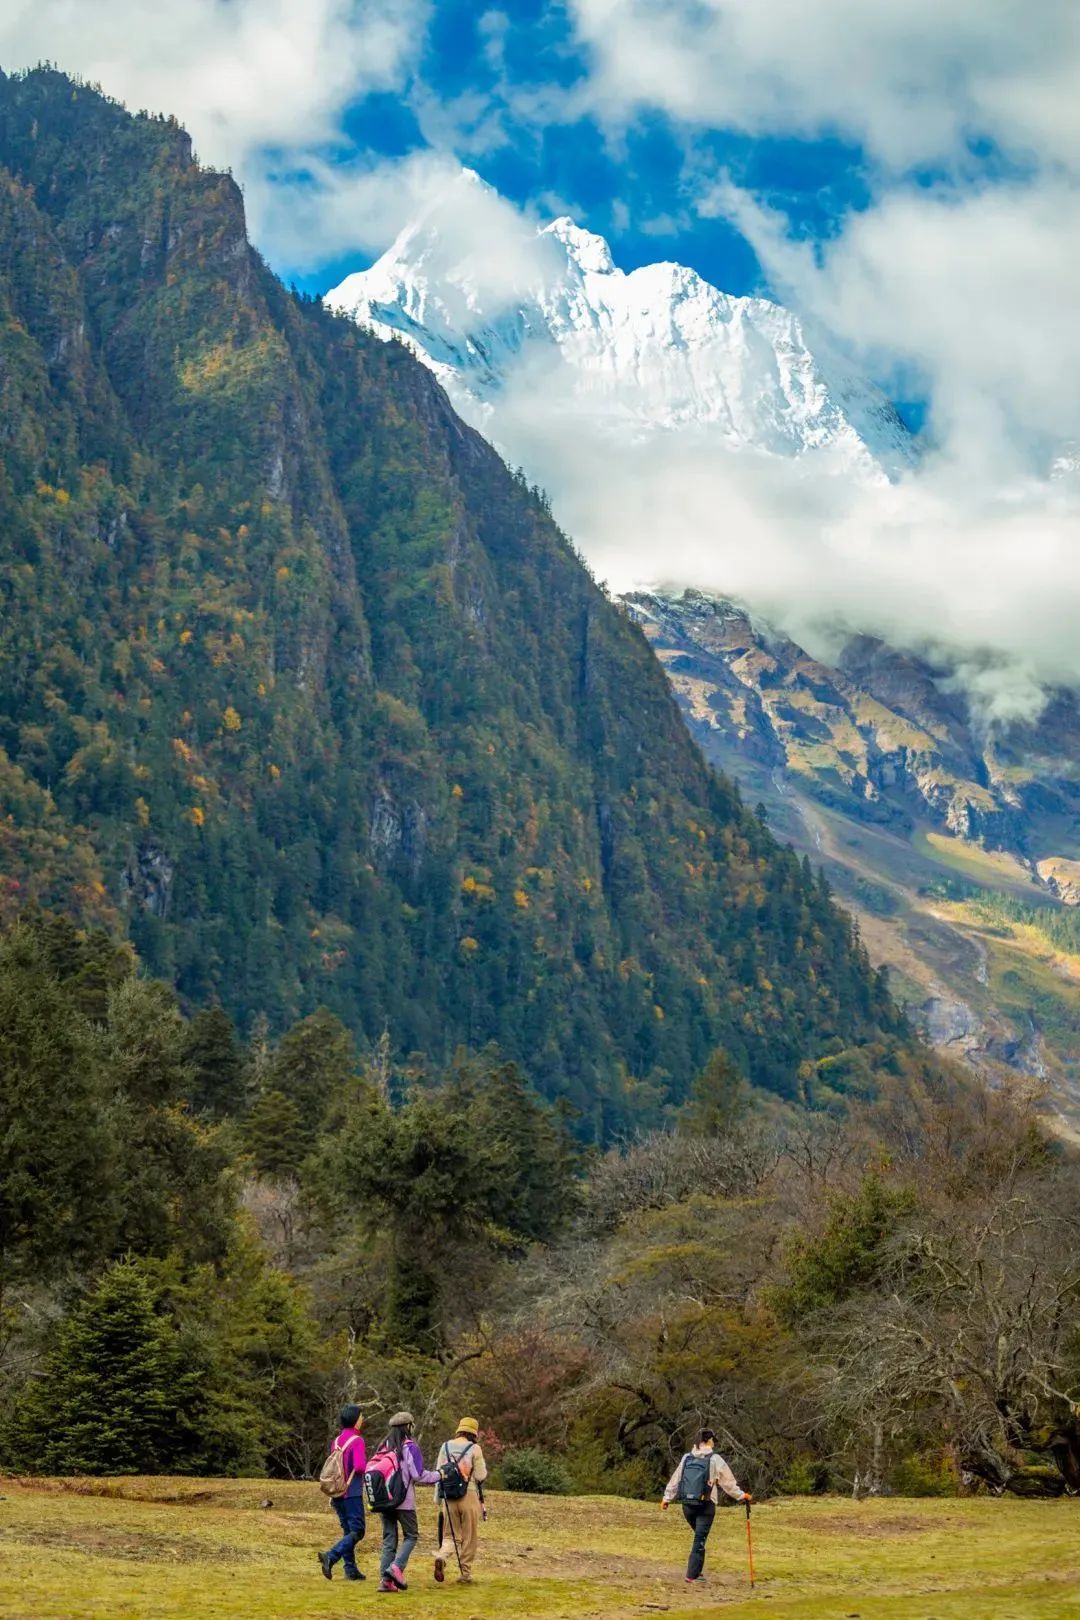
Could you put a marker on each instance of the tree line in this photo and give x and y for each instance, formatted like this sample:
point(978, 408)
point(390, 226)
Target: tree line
point(208, 1243)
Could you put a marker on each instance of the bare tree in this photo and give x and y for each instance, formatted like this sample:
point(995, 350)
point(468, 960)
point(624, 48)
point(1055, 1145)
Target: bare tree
point(973, 1335)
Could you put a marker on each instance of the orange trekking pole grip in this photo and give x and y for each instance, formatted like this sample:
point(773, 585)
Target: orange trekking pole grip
point(749, 1546)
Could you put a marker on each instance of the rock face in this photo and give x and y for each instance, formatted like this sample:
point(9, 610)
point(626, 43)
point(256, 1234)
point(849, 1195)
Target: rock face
point(657, 349)
point(1062, 878)
point(930, 828)
point(880, 735)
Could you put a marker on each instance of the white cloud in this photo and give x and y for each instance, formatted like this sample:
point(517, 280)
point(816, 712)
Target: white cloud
point(910, 79)
point(338, 208)
point(246, 77)
point(973, 294)
point(963, 291)
point(992, 574)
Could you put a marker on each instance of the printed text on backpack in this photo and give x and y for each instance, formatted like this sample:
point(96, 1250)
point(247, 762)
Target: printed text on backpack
point(384, 1482)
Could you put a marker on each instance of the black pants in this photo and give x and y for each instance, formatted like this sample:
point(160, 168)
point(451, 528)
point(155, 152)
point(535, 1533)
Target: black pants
point(699, 1516)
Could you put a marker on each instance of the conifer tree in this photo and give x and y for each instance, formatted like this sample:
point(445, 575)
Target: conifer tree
point(59, 1188)
point(213, 1055)
point(114, 1386)
point(314, 1060)
point(717, 1098)
point(276, 1135)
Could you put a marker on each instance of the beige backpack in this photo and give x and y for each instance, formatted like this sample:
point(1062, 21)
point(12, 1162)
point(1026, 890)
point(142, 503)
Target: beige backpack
point(332, 1481)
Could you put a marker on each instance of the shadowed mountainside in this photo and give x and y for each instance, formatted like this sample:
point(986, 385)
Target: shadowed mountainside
point(303, 689)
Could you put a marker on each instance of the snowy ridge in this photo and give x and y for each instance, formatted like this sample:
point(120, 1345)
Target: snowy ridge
point(655, 349)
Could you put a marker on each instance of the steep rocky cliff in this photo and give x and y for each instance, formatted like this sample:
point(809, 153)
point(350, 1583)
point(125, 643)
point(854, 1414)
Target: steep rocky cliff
point(303, 688)
point(954, 842)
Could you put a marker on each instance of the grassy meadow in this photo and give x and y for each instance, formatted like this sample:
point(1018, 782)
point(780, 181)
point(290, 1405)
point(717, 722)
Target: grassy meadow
point(169, 1549)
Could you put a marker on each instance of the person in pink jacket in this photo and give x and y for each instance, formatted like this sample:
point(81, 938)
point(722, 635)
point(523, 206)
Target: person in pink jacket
point(402, 1520)
point(350, 1507)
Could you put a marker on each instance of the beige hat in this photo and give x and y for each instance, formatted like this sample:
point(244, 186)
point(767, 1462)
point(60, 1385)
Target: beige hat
point(402, 1420)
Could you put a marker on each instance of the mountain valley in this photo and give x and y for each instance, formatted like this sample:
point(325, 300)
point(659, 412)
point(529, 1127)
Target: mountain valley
point(873, 758)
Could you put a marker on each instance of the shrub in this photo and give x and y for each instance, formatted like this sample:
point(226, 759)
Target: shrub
point(535, 1472)
point(595, 1473)
point(804, 1477)
point(930, 1474)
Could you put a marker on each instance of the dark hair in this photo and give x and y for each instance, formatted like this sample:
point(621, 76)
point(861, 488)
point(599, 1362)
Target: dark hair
point(705, 1436)
point(396, 1437)
point(349, 1415)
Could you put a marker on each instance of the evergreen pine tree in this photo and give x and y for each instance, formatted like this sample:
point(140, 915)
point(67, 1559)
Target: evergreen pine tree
point(314, 1060)
point(717, 1098)
point(59, 1184)
point(212, 1053)
point(276, 1135)
point(114, 1386)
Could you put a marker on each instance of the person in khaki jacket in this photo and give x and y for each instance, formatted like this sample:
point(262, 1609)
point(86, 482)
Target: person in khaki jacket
point(696, 1485)
point(460, 1459)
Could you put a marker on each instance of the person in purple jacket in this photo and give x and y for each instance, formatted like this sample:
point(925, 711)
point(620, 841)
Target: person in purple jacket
point(400, 1441)
point(350, 1507)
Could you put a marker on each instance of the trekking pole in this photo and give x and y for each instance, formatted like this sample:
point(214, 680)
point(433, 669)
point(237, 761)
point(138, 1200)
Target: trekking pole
point(749, 1546)
point(453, 1538)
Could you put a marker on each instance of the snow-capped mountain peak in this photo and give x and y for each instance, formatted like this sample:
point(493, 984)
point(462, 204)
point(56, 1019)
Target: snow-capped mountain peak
point(657, 349)
point(583, 248)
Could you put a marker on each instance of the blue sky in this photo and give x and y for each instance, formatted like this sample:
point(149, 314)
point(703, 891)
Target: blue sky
point(903, 173)
point(633, 185)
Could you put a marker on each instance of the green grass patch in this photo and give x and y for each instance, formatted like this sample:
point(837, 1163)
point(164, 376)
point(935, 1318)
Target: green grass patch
point(991, 868)
point(184, 1549)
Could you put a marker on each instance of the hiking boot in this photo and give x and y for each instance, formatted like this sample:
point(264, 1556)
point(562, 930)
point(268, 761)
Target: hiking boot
point(326, 1564)
point(355, 1575)
point(440, 1569)
point(398, 1578)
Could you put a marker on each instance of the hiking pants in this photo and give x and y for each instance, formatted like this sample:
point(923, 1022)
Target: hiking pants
point(464, 1517)
point(350, 1512)
point(699, 1516)
point(410, 1535)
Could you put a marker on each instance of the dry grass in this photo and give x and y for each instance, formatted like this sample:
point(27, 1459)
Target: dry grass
point(167, 1549)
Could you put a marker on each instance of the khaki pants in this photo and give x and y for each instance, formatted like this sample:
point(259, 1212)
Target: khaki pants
point(465, 1518)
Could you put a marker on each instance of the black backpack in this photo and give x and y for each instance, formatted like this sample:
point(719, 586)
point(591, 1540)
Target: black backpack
point(454, 1484)
point(694, 1487)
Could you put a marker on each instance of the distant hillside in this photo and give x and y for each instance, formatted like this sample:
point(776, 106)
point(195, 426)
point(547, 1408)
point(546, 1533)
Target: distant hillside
point(955, 844)
point(300, 687)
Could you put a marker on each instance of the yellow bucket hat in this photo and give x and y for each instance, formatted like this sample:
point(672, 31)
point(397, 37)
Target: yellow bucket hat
point(468, 1426)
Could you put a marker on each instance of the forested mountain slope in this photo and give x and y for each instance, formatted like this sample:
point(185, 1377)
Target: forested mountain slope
point(300, 687)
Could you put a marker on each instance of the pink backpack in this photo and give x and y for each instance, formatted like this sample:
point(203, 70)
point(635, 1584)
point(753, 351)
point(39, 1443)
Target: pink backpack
point(384, 1481)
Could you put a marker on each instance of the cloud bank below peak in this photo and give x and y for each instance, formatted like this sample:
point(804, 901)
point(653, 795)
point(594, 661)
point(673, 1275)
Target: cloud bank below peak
point(606, 389)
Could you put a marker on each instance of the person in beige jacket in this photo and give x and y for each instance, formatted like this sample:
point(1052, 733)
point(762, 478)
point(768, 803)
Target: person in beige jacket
point(463, 1516)
point(696, 1484)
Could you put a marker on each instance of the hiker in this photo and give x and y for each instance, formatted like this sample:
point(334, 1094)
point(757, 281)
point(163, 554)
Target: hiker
point(347, 1468)
point(460, 1493)
point(696, 1484)
point(390, 1482)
